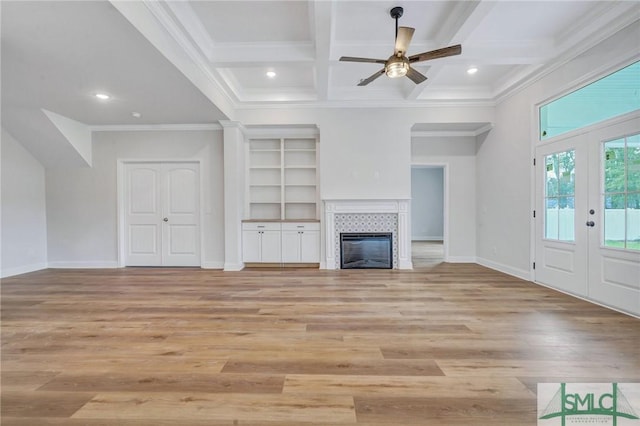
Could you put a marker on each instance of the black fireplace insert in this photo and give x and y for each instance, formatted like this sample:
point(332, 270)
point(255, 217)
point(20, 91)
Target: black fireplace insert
point(371, 250)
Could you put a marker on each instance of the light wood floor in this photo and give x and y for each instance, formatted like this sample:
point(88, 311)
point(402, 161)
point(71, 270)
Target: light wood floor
point(447, 345)
point(426, 254)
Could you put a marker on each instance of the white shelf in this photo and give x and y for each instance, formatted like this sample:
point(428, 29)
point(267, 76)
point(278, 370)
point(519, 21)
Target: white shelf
point(282, 179)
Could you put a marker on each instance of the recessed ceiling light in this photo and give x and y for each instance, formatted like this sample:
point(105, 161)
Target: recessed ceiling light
point(136, 114)
point(271, 74)
point(472, 70)
point(102, 96)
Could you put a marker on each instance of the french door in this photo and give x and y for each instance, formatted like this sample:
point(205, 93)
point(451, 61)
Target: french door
point(162, 223)
point(588, 215)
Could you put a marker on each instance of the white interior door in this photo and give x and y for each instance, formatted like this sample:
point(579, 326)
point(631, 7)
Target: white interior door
point(588, 215)
point(181, 221)
point(561, 203)
point(614, 197)
point(143, 214)
point(162, 218)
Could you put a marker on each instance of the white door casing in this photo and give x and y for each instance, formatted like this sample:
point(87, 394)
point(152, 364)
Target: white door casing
point(161, 214)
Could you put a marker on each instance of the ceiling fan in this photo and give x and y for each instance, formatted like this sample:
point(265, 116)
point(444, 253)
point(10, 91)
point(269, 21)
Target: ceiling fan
point(398, 64)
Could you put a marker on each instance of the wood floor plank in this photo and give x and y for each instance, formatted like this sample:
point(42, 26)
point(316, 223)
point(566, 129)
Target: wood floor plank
point(421, 411)
point(44, 404)
point(345, 367)
point(163, 382)
point(447, 345)
point(25, 380)
point(407, 386)
point(198, 406)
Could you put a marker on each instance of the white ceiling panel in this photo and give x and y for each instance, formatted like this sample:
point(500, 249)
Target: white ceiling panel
point(254, 21)
point(286, 77)
point(530, 20)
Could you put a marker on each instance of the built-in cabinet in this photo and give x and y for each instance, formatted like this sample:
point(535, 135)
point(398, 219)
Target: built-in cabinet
point(300, 242)
point(261, 242)
point(281, 204)
point(281, 242)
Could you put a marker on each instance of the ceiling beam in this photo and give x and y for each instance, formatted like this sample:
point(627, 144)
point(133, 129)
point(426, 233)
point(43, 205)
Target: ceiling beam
point(321, 17)
point(456, 29)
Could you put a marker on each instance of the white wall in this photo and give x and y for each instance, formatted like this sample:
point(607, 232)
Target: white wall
point(82, 202)
point(24, 224)
point(504, 157)
point(365, 153)
point(427, 203)
point(458, 155)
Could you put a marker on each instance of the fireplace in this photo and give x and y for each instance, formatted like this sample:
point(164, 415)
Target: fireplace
point(372, 250)
point(367, 217)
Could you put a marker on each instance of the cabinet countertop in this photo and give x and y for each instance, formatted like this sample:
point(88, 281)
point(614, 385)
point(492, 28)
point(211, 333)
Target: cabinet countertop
point(281, 220)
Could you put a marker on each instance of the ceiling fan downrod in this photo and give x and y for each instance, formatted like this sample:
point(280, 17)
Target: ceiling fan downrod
point(396, 13)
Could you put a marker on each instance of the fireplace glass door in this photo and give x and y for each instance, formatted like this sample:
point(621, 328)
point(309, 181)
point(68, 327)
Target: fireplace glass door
point(366, 250)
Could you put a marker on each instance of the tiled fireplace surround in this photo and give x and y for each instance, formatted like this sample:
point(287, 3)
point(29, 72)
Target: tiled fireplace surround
point(368, 216)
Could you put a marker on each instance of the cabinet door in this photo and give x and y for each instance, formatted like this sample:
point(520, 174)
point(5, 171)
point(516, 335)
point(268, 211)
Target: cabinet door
point(310, 247)
point(291, 246)
point(271, 247)
point(251, 246)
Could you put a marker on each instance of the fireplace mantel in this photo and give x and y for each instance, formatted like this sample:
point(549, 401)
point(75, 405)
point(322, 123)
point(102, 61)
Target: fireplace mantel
point(400, 207)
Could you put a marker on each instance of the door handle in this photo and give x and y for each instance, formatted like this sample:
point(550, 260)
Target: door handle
point(166, 219)
point(591, 224)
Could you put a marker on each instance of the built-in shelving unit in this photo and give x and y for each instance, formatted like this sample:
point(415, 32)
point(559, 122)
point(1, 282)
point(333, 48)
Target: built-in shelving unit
point(282, 178)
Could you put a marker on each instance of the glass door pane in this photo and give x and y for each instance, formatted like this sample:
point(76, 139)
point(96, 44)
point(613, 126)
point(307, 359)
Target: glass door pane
point(621, 193)
point(560, 196)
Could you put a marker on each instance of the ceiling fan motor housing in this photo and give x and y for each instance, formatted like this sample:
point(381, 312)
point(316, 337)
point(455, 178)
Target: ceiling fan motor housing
point(396, 12)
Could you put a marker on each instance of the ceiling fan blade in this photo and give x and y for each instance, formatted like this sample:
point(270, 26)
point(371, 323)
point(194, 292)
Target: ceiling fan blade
point(371, 60)
point(415, 76)
point(370, 79)
point(435, 54)
point(403, 39)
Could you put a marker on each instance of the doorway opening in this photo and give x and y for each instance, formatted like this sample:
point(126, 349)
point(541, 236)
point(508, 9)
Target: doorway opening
point(428, 231)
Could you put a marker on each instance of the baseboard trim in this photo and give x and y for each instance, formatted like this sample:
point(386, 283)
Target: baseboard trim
point(595, 302)
point(85, 265)
point(24, 269)
point(460, 259)
point(515, 272)
point(233, 267)
point(212, 265)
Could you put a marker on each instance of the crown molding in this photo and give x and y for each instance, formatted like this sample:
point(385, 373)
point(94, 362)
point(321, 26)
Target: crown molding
point(452, 133)
point(154, 127)
point(300, 131)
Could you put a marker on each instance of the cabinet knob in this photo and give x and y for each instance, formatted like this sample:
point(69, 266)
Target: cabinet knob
point(166, 219)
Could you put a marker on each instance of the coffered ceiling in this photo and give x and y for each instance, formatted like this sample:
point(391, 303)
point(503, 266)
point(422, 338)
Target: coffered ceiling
point(508, 41)
point(199, 61)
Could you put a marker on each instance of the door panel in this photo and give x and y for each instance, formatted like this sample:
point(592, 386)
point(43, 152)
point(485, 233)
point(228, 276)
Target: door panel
point(290, 246)
point(561, 245)
point(614, 240)
point(162, 219)
point(271, 247)
point(181, 204)
point(143, 216)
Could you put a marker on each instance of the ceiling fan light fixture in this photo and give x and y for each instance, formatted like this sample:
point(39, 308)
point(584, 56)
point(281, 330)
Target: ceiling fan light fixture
point(396, 67)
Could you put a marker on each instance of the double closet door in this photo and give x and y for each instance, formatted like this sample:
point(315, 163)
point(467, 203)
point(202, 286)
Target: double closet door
point(162, 214)
point(588, 215)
